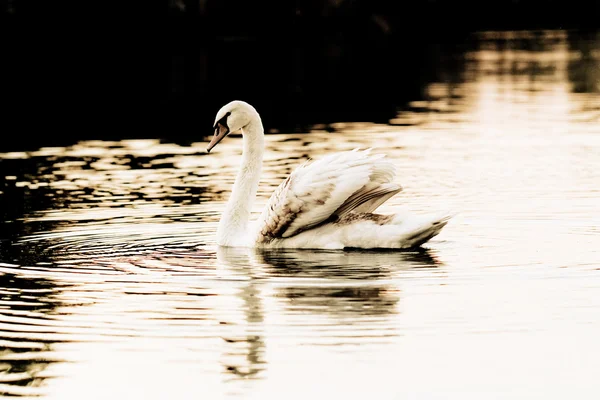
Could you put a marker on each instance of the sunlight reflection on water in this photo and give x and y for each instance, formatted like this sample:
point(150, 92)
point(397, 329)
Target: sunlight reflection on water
point(111, 284)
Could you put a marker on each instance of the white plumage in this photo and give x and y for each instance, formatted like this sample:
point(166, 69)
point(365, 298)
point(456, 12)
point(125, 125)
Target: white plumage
point(327, 203)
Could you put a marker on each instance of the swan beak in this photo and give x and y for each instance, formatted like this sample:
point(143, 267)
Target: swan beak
point(220, 132)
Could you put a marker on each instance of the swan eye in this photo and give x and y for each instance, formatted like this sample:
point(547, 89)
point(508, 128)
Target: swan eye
point(223, 121)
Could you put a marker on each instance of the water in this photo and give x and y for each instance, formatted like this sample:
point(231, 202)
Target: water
point(111, 284)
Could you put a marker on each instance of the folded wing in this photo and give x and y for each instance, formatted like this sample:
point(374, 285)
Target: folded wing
point(328, 188)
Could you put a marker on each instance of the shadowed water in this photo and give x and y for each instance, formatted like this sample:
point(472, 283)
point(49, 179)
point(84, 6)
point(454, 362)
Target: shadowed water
point(111, 284)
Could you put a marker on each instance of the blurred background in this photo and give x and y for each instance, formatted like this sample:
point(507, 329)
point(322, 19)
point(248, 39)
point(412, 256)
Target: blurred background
point(107, 70)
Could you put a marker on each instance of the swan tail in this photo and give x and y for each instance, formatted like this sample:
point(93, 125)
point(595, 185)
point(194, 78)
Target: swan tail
point(425, 233)
point(396, 231)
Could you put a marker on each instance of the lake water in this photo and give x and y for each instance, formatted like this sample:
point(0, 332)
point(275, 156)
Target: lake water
point(111, 285)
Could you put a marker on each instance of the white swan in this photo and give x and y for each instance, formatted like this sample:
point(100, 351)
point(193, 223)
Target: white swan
point(325, 204)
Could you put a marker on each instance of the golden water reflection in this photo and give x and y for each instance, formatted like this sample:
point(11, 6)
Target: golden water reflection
point(111, 284)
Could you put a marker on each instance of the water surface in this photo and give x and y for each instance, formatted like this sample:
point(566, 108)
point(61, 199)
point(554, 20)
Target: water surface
point(111, 284)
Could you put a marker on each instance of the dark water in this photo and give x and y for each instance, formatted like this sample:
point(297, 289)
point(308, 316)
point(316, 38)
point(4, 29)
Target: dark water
point(111, 284)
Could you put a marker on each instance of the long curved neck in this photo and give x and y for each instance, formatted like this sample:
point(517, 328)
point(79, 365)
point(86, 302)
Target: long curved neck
point(233, 226)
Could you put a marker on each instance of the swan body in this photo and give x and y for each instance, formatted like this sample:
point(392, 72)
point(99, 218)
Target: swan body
point(323, 204)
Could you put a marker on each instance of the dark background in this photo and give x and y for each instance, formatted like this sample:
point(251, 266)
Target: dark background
point(114, 70)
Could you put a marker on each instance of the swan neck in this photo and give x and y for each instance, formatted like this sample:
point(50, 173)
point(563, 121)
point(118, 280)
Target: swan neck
point(233, 226)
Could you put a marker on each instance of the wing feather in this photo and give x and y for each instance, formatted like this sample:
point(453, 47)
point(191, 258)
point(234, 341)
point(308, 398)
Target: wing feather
point(331, 186)
point(367, 200)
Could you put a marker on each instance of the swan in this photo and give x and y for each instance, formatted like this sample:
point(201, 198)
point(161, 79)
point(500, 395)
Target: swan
point(323, 204)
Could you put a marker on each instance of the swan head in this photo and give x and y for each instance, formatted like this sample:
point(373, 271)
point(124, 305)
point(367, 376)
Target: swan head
point(232, 117)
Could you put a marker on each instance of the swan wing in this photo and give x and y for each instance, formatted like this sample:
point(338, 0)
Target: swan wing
point(330, 187)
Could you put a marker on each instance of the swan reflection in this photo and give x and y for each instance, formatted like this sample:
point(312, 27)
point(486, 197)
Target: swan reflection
point(244, 338)
point(356, 289)
point(348, 284)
